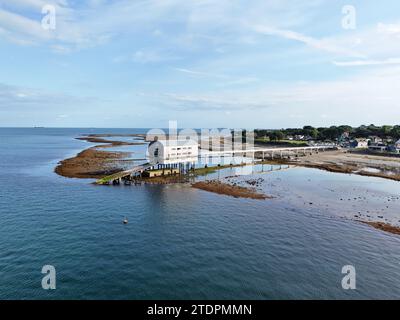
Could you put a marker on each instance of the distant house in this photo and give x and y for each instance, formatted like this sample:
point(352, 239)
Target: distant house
point(299, 137)
point(397, 144)
point(395, 147)
point(343, 140)
point(359, 143)
point(344, 136)
point(378, 147)
point(376, 139)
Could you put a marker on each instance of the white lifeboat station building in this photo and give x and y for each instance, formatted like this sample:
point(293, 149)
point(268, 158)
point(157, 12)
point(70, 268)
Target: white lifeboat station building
point(173, 154)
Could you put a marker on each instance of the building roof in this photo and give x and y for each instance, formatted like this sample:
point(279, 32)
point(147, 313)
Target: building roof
point(177, 143)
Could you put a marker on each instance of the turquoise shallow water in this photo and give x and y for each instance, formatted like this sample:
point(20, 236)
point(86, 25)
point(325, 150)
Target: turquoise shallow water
point(180, 243)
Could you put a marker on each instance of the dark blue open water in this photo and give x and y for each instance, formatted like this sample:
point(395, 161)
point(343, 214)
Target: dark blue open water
point(180, 242)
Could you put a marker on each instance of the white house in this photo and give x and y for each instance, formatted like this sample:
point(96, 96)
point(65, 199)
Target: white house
point(376, 139)
point(299, 137)
point(397, 145)
point(359, 143)
point(173, 151)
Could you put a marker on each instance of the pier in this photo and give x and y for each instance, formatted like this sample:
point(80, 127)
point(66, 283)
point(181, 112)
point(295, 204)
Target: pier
point(257, 154)
point(131, 176)
point(122, 176)
point(270, 153)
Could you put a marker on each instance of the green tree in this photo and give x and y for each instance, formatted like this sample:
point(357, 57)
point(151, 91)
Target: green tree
point(310, 131)
point(276, 135)
point(385, 131)
point(395, 132)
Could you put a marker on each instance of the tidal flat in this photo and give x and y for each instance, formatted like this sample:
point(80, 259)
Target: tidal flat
point(378, 209)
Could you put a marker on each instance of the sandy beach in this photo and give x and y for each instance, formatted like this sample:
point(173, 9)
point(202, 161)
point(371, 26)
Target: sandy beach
point(359, 163)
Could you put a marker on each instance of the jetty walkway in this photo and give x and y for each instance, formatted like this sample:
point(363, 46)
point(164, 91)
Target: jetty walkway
point(255, 153)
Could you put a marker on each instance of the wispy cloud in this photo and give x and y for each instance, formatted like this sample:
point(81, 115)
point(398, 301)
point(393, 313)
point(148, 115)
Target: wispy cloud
point(97, 21)
point(21, 23)
point(360, 63)
point(188, 102)
point(379, 45)
point(18, 97)
point(335, 99)
point(201, 74)
point(29, 30)
point(389, 28)
point(146, 56)
point(320, 44)
point(224, 80)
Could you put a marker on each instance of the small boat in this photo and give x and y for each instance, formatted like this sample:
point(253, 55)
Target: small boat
point(125, 221)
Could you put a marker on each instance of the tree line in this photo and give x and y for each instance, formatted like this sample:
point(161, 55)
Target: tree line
point(331, 133)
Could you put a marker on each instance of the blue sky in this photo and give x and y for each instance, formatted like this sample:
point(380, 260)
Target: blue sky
point(204, 63)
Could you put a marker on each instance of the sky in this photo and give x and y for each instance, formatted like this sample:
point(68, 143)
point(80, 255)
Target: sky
point(203, 63)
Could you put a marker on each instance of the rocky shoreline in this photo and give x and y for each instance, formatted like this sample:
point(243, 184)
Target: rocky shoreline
point(229, 190)
point(95, 162)
point(383, 226)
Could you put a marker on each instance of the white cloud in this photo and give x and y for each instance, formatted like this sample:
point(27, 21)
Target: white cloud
point(15, 97)
point(146, 56)
point(152, 56)
point(11, 23)
point(201, 74)
point(379, 44)
point(224, 80)
point(200, 22)
point(36, 5)
point(21, 23)
point(374, 45)
point(369, 97)
point(97, 21)
point(320, 44)
point(359, 63)
point(188, 102)
point(390, 29)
